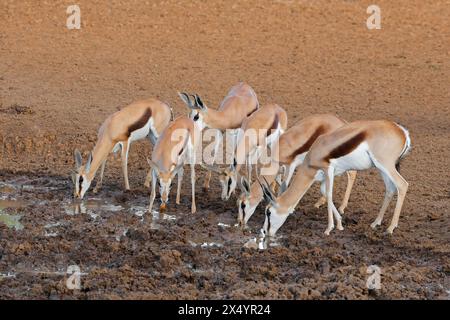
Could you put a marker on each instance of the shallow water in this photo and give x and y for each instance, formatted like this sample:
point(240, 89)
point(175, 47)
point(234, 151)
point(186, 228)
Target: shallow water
point(261, 243)
point(11, 221)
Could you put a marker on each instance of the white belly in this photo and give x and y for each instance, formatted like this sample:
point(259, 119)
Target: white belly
point(142, 132)
point(358, 159)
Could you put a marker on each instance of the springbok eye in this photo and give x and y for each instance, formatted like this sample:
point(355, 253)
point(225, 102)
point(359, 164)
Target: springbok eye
point(196, 117)
point(80, 181)
point(243, 206)
point(268, 212)
point(229, 182)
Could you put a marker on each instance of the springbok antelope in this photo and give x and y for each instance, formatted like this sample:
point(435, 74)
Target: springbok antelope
point(174, 148)
point(289, 152)
point(146, 118)
point(240, 102)
point(260, 130)
point(356, 146)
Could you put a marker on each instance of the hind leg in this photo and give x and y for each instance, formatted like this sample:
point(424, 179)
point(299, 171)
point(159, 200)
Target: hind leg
point(389, 194)
point(216, 151)
point(332, 211)
point(402, 188)
point(125, 148)
point(351, 177)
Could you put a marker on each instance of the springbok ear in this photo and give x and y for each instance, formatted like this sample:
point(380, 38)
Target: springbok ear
point(87, 168)
point(185, 97)
point(199, 103)
point(267, 192)
point(233, 165)
point(245, 185)
point(78, 159)
point(211, 168)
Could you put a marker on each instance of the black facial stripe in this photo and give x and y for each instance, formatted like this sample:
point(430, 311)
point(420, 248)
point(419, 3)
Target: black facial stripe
point(229, 186)
point(243, 209)
point(268, 218)
point(80, 181)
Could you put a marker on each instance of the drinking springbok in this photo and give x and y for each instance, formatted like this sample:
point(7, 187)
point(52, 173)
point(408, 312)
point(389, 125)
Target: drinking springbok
point(258, 131)
point(358, 146)
point(289, 152)
point(174, 148)
point(146, 118)
point(240, 102)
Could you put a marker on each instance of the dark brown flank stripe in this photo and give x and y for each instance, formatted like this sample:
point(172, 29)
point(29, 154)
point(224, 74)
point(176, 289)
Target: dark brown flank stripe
point(346, 147)
point(141, 122)
point(307, 145)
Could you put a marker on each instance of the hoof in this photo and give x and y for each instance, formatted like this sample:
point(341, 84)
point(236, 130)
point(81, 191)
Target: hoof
point(374, 225)
point(341, 210)
point(327, 232)
point(390, 230)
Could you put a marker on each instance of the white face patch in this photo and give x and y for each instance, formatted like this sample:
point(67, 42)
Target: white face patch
point(84, 186)
point(273, 221)
point(164, 189)
point(197, 117)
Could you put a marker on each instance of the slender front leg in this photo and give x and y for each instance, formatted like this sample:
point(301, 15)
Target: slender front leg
point(125, 148)
point(249, 169)
point(193, 206)
point(351, 177)
point(99, 184)
point(153, 192)
point(215, 150)
point(180, 180)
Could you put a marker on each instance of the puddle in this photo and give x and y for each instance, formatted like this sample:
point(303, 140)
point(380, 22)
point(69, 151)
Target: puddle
point(6, 275)
point(261, 243)
point(11, 221)
point(206, 245)
point(89, 206)
point(157, 217)
point(224, 225)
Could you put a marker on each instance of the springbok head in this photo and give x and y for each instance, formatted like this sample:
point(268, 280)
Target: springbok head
point(227, 178)
point(165, 178)
point(80, 176)
point(197, 109)
point(275, 214)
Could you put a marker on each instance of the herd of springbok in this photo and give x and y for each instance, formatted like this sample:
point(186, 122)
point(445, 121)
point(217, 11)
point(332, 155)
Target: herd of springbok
point(317, 148)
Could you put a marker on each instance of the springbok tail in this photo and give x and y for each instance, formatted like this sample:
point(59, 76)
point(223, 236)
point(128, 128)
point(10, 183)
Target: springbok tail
point(406, 148)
